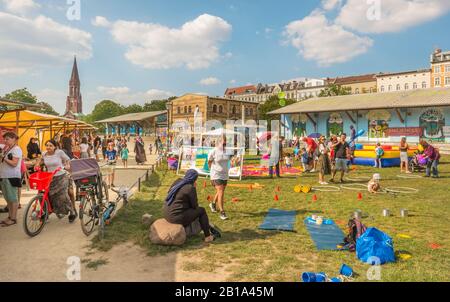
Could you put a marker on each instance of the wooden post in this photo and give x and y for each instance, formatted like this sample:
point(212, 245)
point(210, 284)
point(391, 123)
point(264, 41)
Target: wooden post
point(51, 130)
point(146, 176)
point(17, 122)
point(139, 184)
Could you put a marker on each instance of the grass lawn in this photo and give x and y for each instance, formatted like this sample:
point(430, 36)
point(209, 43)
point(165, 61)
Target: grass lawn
point(250, 254)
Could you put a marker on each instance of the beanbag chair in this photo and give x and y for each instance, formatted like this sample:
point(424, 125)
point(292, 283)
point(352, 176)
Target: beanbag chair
point(164, 233)
point(375, 243)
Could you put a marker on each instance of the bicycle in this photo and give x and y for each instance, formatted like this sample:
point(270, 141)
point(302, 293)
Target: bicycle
point(39, 208)
point(109, 211)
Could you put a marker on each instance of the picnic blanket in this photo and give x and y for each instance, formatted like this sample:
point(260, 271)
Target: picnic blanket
point(325, 237)
point(279, 220)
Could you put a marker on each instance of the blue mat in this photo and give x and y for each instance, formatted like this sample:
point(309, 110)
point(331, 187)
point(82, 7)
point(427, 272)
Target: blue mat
point(325, 237)
point(279, 220)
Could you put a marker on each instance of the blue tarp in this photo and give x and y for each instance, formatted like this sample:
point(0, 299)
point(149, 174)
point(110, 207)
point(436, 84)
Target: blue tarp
point(325, 237)
point(279, 220)
point(375, 246)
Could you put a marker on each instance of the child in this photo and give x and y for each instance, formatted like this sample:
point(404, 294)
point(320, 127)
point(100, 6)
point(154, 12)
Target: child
point(305, 160)
point(379, 152)
point(150, 148)
point(296, 152)
point(288, 161)
point(111, 155)
point(124, 155)
point(374, 184)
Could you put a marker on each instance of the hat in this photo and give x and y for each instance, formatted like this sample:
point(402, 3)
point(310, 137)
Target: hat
point(376, 176)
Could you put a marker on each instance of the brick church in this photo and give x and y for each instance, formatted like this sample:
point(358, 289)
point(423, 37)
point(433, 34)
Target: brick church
point(74, 104)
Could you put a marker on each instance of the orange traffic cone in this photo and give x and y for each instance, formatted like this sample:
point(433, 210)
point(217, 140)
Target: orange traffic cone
point(204, 184)
point(278, 189)
point(276, 198)
point(250, 188)
point(314, 197)
point(209, 198)
point(360, 197)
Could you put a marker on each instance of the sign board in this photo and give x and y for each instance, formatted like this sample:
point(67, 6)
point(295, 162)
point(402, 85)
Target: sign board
point(405, 131)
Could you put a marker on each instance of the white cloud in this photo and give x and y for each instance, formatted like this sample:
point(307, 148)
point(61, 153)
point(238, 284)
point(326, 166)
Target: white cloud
point(100, 21)
point(156, 94)
point(113, 90)
point(154, 46)
point(209, 81)
point(56, 98)
point(12, 71)
point(320, 40)
point(20, 6)
point(233, 82)
point(27, 43)
point(394, 15)
point(330, 4)
point(268, 30)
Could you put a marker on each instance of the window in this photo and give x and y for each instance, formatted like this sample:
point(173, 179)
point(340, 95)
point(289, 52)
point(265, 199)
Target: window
point(382, 88)
point(251, 110)
point(437, 69)
point(447, 81)
point(406, 86)
point(233, 109)
point(185, 110)
point(447, 68)
point(424, 85)
point(389, 87)
point(220, 109)
point(246, 111)
point(415, 85)
point(178, 110)
point(398, 87)
point(437, 81)
point(356, 90)
point(190, 109)
point(214, 108)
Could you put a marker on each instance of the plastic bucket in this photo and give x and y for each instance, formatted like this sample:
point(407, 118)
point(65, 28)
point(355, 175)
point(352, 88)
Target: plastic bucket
point(346, 270)
point(309, 277)
point(336, 279)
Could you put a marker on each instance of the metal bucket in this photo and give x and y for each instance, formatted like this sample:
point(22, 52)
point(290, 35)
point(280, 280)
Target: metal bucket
point(404, 213)
point(357, 214)
point(386, 213)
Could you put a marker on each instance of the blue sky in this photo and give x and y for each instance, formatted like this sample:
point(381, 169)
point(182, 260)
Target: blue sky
point(133, 51)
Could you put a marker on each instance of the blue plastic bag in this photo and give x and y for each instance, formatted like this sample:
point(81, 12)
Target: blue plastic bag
point(375, 247)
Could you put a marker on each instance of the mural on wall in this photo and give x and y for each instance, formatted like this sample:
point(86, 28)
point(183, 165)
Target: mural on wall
point(335, 124)
point(378, 123)
point(432, 121)
point(299, 124)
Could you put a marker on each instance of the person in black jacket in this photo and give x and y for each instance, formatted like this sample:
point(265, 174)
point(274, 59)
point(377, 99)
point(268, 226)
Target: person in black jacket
point(181, 206)
point(33, 150)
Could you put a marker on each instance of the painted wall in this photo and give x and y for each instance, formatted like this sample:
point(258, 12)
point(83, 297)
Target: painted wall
point(411, 119)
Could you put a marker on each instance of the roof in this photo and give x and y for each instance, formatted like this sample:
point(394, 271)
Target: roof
point(34, 120)
point(370, 101)
point(353, 79)
point(241, 90)
point(74, 78)
point(211, 97)
point(19, 105)
point(133, 117)
point(388, 74)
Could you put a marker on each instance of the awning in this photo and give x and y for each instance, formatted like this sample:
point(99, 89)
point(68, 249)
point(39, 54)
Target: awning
point(133, 117)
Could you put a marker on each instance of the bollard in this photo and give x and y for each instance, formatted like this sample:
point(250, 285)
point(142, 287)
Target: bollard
point(146, 175)
point(139, 184)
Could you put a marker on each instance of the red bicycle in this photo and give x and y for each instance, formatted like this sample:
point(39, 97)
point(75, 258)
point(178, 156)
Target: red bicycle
point(39, 208)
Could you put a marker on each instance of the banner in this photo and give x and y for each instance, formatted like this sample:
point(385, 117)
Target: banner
point(405, 131)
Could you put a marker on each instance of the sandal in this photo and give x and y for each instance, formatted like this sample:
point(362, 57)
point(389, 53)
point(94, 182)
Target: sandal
point(4, 225)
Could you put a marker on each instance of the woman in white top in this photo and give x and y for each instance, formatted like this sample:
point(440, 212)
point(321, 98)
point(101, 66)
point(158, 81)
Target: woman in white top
point(10, 175)
point(61, 188)
point(218, 163)
point(323, 164)
point(84, 148)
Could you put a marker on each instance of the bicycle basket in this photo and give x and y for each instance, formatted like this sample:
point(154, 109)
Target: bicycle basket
point(40, 180)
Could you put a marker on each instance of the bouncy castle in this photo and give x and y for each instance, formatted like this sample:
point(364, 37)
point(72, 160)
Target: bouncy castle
point(365, 155)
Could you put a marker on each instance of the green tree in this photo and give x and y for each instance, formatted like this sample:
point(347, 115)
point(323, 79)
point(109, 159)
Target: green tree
point(157, 105)
point(133, 109)
point(48, 109)
point(333, 90)
point(104, 110)
point(21, 95)
point(273, 103)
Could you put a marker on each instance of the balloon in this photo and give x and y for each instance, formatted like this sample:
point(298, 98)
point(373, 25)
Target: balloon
point(282, 102)
point(281, 95)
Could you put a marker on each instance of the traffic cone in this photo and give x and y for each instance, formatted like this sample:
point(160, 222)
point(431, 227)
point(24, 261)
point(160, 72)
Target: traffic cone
point(209, 198)
point(314, 197)
point(250, 188)
point(204, 184)
point(276, 198)
point(360, 197)
point(278, 189)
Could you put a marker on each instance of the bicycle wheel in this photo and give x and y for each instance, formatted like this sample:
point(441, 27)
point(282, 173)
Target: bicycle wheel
point(32, 223)
point(88, 214)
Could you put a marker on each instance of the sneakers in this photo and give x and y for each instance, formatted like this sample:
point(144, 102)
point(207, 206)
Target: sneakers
point(323, 182)
point(223, 216)
point(212, 206)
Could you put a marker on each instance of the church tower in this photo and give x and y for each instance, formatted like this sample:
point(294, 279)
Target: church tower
point(74, 105)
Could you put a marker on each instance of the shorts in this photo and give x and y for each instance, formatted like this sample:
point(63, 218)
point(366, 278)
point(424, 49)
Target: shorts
point(10, 193)
point(341, 164)
point(219, 182)
point(404, 156)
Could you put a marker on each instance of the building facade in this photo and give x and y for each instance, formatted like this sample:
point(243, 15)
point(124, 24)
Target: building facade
point(357, 84)
point(440, 69)
point(210, 108)
point(74, 102)
point(402, 81)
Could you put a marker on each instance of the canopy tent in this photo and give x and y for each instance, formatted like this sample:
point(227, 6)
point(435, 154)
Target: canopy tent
point(11, 105)
point(45, 126)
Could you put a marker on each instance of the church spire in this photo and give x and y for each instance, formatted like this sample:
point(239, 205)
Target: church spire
point(75, 79)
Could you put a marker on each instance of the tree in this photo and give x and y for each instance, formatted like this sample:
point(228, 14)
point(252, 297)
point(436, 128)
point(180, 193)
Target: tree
point(47, 109)
point(333, 90)
point(21, 95)
point(104, 110)
point(157, 105)
point(273, 103)
point(133, 109)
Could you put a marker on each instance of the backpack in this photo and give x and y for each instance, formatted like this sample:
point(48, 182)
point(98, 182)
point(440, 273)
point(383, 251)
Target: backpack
point(355, 230)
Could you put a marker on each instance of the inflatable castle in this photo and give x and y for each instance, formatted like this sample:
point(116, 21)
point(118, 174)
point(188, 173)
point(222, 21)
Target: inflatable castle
point(365, 155)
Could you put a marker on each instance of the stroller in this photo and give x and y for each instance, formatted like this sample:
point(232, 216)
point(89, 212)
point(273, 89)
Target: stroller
point(418, 163)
